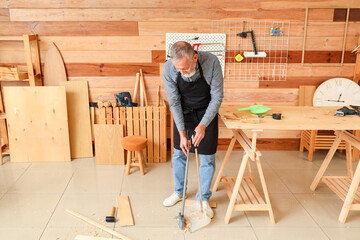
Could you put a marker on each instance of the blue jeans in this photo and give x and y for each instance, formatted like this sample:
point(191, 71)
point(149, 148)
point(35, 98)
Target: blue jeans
point(207, 169)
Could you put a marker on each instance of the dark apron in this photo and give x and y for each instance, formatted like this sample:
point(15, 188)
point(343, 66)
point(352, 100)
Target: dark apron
point(195, 98)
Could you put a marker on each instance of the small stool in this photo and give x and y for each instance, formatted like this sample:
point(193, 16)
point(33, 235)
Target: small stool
point(134, 144)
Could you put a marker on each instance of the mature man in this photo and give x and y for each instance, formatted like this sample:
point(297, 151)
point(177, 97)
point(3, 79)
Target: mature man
point(194, 87)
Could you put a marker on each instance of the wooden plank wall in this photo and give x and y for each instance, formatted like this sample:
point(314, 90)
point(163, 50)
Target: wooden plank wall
point(107, 42)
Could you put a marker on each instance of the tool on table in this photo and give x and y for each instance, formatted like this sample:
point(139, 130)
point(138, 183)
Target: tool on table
point(347, 111)
point(255, 53)
point(256, 109)
point(276, 32)
point(243, 119)
point(276, 116)
point(111, 218)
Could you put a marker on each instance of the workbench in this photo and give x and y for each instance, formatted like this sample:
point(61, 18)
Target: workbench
point(241, 190)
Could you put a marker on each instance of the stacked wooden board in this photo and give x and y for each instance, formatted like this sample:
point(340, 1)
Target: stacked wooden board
point(149, 122)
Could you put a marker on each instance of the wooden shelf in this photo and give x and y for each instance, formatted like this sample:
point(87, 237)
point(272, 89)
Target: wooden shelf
point(248, 198)
point(340, 186)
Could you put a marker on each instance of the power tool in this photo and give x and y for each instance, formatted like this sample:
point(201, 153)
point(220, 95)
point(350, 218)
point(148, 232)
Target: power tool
point(346, 111)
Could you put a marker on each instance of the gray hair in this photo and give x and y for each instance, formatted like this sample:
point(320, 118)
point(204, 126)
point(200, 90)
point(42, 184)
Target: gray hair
point(180, 49)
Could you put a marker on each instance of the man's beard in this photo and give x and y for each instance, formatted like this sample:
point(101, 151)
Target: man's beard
point(188, 75)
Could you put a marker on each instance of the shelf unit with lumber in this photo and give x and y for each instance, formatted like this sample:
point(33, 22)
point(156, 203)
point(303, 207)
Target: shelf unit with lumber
point(31, 72)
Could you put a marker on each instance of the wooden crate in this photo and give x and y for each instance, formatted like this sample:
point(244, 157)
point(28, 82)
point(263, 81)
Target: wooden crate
point(149, 122)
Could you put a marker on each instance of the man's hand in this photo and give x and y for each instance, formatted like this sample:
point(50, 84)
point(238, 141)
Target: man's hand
point(200, 134)
point(184, 144)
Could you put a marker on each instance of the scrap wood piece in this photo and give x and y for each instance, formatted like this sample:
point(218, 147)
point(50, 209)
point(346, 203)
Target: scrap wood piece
point(77, 98)
point(83, 237)
point(124, 211)
point(243, 119)
point(54, 70)
point(92, 222)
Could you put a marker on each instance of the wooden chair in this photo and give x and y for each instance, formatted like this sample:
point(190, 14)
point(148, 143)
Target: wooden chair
point(134, 146)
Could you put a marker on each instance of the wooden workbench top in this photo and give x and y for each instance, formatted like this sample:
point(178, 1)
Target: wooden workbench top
point(295, 118)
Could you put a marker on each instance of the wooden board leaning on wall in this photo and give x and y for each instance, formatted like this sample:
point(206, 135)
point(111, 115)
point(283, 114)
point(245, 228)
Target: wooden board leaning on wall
point(149, 122)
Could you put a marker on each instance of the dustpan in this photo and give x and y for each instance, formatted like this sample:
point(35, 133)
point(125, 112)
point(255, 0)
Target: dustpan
point(195, 213)
point(256, 109)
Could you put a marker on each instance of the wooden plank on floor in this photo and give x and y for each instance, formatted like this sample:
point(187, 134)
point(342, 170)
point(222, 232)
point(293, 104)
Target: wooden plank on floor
point(108, 148)
point(33, 137)
point(124, 211)
point(77, 98)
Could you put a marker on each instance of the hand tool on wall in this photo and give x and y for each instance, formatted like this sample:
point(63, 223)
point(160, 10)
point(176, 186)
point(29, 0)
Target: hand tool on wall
point(276, 32)
point(111, 218)
point(255, 53)
point(239, 58)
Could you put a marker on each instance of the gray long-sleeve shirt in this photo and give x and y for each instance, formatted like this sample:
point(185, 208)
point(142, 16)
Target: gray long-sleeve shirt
point(213, 75)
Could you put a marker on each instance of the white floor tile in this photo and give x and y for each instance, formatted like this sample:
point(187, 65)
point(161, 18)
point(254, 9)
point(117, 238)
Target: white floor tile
point(287, 210)
point(102, 179)
point(93, 206)
point(345, 233)
point(153, 233)
point(27, 210)
point(299, 181)
point(289, 233)
point(58, 233)
point(44, 178)
point(325, 209)
point(20, 233)
point(215, 233)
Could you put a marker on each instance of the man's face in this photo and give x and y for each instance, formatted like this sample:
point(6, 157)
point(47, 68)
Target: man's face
point(186, 66)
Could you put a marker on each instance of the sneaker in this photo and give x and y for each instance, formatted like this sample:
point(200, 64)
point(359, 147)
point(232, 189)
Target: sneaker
point(208, 209)
point(172, 200)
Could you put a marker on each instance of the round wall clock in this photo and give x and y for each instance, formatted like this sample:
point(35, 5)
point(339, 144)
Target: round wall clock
point(337, 92)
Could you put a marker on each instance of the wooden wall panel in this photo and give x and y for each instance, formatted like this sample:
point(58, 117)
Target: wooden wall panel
point(110, 69)
point(98, 4)
point(4, 14)
point(69, 28)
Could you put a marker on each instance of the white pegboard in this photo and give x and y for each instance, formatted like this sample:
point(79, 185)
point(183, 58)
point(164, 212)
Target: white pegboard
point(214, 43)
point(271, 68)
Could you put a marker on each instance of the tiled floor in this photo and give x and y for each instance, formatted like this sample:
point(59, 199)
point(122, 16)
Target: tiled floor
point(34, 197)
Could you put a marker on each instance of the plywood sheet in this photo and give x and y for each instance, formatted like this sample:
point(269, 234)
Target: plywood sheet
point(77, 97)
point(124, 211)
point(54, 71)
point(108, 149)
point(37, 124)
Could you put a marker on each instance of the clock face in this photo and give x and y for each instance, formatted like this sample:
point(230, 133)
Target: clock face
point(337, 92)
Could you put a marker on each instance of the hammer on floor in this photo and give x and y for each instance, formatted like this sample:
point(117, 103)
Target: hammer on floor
point(111, 218)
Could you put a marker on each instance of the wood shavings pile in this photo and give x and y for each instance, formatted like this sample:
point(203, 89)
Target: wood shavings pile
point(187, 225)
